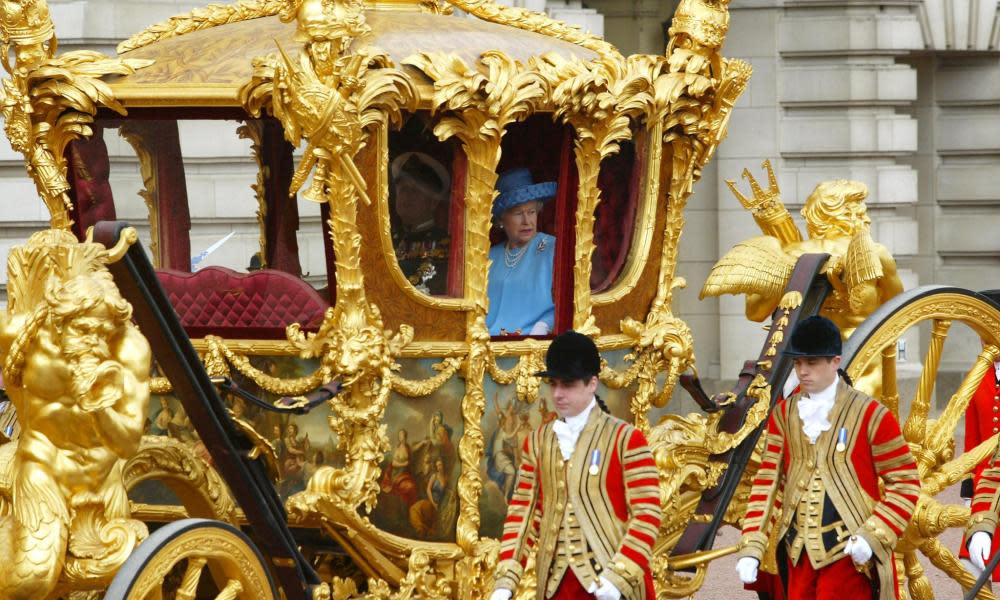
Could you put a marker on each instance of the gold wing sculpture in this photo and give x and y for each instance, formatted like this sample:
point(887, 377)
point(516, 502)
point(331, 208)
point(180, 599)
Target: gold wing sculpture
point(754, 266)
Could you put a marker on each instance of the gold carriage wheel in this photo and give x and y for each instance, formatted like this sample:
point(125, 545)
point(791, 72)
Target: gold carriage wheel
point(194, 549)
point(931, 441)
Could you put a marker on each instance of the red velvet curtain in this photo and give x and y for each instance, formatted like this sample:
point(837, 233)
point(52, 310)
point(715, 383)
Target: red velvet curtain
point(281, 224)
point(90, 190)
point(614, 219)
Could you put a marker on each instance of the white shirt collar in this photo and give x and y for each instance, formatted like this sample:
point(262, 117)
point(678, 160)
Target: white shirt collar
point(576, 423)
point(827, 394)
point(814, 410)
point(996, 369)
point(568, 430)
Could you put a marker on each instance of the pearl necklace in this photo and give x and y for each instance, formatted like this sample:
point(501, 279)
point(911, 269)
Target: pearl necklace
point(512, 258)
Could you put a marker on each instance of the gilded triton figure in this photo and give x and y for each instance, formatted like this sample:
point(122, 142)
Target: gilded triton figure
point(77, 372)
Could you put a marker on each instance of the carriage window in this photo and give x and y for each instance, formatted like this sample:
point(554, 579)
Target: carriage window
point(235, 254)
point(425, 208)
point(614, 219)
point(528, 226)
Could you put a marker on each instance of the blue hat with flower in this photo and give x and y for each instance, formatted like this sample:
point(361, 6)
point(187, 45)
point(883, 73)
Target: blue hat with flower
point(517, 187)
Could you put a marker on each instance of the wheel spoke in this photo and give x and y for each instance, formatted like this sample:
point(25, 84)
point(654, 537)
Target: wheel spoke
point(232, 590)
point(943, 431)
point(915, 429)
point(890, 390)
point(920, 586)
point(942, 558)
point(189, 584)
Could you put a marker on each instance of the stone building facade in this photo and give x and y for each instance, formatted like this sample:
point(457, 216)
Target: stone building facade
point(903, 95)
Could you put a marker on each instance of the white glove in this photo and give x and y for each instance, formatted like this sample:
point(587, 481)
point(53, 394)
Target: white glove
point(967, 502)
point(607, 591)
point(746, 567)
point(858, 549)
point(501, 595)
point(979, 549)
point(539, 328)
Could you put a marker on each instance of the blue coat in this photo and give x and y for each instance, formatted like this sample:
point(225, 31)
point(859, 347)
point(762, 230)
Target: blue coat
point(520, 296)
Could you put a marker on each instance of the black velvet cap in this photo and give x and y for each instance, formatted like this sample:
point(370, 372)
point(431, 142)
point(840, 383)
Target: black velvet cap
point(814, 336)
point(571, 356)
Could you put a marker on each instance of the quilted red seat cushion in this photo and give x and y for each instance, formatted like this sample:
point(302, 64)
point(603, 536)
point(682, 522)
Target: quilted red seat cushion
point(217, 299)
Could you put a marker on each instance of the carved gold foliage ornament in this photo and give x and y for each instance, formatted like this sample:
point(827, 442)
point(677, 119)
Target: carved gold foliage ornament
point(200, 489)
point(683, 447)
point(476, 104)
point(584, 94)
point(332, 100)
point(50, 100)
point(203, 18)
point(77, 371)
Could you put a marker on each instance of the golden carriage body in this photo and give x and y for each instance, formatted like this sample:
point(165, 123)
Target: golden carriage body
point(406, 470)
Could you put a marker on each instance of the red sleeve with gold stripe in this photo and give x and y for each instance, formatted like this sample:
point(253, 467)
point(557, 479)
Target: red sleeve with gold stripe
point(895, 466)
point(765, 487)
point(628, 567)
point(986, 502)
point(523, 523)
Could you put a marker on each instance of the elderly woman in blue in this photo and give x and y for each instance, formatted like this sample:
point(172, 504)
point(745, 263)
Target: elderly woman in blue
point(520, 279)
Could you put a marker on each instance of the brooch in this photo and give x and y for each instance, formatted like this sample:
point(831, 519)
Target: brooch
point(595, 461)
point(542, 245)
point(842, 440)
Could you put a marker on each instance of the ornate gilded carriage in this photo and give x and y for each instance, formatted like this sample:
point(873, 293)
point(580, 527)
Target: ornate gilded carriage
point(624, 138)
point(400, 481)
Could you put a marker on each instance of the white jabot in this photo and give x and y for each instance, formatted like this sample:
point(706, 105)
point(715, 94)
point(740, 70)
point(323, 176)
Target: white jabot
point(568, 430)
point(996, 369)
point(814, 410)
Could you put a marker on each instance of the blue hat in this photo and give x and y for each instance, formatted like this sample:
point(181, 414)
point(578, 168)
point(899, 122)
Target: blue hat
point(517, 187)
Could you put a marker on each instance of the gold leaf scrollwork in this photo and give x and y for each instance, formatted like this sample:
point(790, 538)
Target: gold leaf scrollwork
point(475, 105)
point(200, 489)
point(415, 389)
point(331, 99)
point(683, 447)
point(51, 100)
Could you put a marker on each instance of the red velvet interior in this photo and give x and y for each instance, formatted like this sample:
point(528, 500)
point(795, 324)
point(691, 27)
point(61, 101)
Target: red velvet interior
point(220, 301)
point(614, 219)
point(90, 190)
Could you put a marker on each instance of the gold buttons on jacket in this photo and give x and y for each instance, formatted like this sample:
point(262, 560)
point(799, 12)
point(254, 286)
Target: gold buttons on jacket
point(620, 566)
point(996, 419)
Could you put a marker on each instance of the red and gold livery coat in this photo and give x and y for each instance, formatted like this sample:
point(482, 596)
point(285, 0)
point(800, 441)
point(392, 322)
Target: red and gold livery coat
point(617, 510)
point(874, 452)
point(982, 421)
